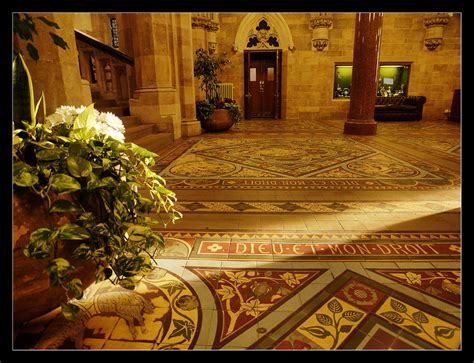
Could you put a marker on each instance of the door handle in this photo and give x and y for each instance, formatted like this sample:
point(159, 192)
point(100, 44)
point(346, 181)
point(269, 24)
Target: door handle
point(262, 86)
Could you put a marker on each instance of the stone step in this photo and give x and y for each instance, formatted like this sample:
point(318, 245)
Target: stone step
point(155, 142)
point(129, 121)
point(133, 133)
point(117, 110)
point(104, 103)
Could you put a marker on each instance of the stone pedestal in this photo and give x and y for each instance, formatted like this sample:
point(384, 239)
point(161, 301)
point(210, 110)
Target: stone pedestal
point(368, 33)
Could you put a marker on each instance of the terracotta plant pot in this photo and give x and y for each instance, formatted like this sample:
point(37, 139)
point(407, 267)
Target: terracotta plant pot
point(221, 120)
point(32, 294)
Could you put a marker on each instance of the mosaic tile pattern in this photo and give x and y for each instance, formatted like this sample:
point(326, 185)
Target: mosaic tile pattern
point(442, 284)
point(318, 158)
point(161, 313)
point(295, 207)
point(244, 296)
point(294, 286)
point(310, 250)
point(331, 162)
point(338, 321)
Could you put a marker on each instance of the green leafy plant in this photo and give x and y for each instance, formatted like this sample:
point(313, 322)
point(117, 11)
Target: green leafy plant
point(204, 110)
point(206, 69)
point(78, 163)
point(24, 26)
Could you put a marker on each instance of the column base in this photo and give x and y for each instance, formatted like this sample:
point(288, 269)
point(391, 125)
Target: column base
point(190, 128)
point(354, 127)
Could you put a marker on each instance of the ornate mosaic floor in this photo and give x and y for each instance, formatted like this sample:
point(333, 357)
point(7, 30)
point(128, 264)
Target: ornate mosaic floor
point(293, 240)
point(317, 160)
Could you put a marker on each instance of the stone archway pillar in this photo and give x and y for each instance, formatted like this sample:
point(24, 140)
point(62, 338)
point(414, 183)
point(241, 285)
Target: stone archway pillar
point(156, 98)
point(367, 39)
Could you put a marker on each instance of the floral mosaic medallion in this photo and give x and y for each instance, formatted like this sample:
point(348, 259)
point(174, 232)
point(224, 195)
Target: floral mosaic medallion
point(354, 312)
point(245, 296)
point(161, 313)
point(442, 284)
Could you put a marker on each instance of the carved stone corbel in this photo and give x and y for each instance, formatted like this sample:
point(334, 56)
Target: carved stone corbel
point(320, 23)
point(434, 24)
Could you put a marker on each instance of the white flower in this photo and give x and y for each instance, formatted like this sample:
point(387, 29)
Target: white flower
point(112, 121)
point(107, 124)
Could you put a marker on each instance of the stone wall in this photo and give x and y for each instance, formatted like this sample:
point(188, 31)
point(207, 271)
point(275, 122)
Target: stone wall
point(56, 73)
point(97, 25)
point(307, 75)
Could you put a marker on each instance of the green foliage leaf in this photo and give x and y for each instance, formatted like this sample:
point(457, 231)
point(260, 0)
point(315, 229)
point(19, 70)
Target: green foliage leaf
point(86, 119)
point(86, 220)
point(101, 229)
point(102, 273)
point(127, 283)
point(48, 154)
point(78, 148)
point(59, 41)
point(23, 94)
point(58, 270)
point(352, 315)
point(20, 166)
point(334, 306)
point(398, 306)
point(62, 205)
point(107, 182)
point(82, 252)
point(393, 317)
point(75, 286)
point(444, 331)
point(25, 179)
point(73, 231)
point(63, 183)
point(48, 22)
point(41, 242)
point(317, 331)
point(324, 319)
point(420, 317)
point(69, 310)
point(142, 152)
point(78, 167)
point(32, 51)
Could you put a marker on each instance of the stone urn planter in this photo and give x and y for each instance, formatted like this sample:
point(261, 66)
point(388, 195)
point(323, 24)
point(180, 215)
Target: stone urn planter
point(32, 294)
point(220, 120)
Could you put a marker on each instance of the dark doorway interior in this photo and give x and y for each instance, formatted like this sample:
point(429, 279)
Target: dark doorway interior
point(262, 84)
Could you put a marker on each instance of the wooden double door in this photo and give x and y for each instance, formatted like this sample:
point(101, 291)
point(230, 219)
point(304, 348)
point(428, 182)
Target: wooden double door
point(262, 83)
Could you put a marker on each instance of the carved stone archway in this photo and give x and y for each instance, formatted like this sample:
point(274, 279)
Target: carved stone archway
point(275, 20)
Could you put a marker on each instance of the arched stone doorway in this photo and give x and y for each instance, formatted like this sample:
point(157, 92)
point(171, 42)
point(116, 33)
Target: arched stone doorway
point(264, 40)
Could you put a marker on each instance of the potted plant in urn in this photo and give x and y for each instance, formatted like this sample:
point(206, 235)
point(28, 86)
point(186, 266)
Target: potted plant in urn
point(216, 114)
point(87, 205)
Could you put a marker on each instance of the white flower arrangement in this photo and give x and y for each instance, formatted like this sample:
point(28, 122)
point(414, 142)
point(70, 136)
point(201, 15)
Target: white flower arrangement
point(103, 123)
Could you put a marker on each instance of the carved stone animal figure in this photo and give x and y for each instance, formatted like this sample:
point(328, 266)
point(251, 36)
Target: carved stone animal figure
point(128, 305)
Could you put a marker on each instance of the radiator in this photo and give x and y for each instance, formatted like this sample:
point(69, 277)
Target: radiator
point(225, 90)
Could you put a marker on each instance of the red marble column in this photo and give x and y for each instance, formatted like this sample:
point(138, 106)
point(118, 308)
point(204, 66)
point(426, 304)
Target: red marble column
point(368, 34)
